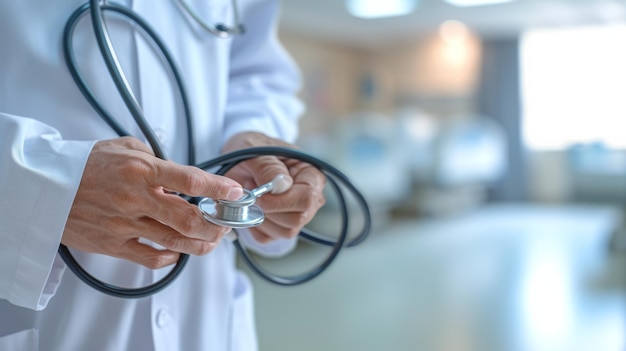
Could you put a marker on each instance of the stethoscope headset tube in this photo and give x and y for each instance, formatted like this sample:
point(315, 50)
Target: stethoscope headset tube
point(335, 178)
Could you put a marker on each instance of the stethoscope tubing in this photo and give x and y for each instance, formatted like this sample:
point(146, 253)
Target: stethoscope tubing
point(336, 179)
point(107, 52)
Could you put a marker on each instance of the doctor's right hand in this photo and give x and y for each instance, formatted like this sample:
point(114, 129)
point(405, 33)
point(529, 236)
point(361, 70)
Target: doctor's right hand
point(126, 193)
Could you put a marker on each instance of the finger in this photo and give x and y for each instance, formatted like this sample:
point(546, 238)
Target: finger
point(300, 198)
point(268, 168)
point(288, 220)
point(306, 194)
point(148, 256)
point(193, 181)
point(304, 173)
point(275, 230)
point(175, 241)
point(260, 237)
point(281, 183)
point(185, 218)
point(166, 237)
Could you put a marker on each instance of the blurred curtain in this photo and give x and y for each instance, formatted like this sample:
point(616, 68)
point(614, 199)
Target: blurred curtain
point(499, 97)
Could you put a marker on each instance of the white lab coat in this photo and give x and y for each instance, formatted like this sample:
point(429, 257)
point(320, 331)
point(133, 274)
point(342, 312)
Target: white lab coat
point(47, 130)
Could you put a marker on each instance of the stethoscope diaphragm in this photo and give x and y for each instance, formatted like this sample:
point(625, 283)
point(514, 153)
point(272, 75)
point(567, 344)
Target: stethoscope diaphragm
point(242, 213)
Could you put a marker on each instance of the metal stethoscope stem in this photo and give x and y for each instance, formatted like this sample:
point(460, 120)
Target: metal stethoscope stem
point(242, 213)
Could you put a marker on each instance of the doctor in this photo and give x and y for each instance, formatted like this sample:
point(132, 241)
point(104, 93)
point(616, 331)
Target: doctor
point(67, 178)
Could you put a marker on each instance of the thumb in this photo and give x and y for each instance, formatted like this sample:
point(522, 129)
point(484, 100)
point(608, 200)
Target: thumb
point(267, 169)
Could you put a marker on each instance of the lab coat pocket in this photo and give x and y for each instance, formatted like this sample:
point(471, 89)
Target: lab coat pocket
point(25, 340)
point(242, 330)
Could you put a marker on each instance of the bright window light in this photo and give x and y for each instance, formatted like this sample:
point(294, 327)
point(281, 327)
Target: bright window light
point(573, 87)
point(369, 9)
point(467, 3)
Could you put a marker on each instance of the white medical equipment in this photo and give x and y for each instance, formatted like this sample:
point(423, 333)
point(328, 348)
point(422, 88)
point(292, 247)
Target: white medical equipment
point(237, 214)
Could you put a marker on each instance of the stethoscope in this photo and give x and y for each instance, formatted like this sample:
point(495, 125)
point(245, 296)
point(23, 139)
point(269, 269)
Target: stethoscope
point(242, 213)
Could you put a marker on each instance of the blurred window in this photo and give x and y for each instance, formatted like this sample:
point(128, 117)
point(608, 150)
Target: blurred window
point(574, 87)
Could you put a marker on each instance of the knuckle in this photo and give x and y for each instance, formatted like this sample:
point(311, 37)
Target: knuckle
point(156, 261)
point(173, 241)
point(321, 180)
point(193, 182)
point(302, 218)
point(191, 222)
point(221, 231)
point(321, 201)
point(310, 199)
point(129, 141)
point(138, 168)
point(205, 247)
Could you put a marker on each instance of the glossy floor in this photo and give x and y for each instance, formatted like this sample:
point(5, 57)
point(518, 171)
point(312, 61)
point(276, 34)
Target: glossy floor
point(514, 278)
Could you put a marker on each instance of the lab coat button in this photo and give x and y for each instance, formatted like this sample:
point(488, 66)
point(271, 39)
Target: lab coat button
point(162, 318)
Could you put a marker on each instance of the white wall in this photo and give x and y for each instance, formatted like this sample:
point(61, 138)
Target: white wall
point(425, 69)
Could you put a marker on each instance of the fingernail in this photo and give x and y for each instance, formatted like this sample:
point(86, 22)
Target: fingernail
point(281, 183)
point(234, 194)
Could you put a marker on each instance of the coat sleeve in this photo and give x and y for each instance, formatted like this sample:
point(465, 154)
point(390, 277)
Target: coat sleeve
point(263, 79)
point(39, 179)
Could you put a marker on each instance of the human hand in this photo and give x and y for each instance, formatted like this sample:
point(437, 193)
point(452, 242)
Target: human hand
point(296, 197)
point(126, 193)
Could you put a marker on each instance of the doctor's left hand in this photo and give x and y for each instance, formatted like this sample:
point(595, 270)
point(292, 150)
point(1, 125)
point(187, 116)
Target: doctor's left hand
point(296, 197)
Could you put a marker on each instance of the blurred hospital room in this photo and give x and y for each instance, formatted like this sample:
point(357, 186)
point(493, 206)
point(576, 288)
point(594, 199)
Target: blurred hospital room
point(489, 139)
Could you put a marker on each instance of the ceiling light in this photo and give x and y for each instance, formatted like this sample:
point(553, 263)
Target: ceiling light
point(454, 32)
point(369, 9)
point(467, 3)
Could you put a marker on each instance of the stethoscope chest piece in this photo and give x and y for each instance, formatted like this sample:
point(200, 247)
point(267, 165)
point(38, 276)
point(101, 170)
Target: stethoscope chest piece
point(242, 213)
